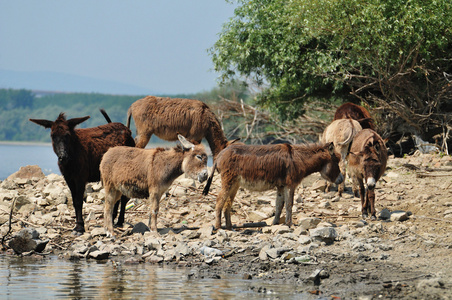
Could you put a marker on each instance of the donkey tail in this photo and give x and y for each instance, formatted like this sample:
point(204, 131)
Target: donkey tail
point(129, 115)
point(104, 113)
point(205, 192)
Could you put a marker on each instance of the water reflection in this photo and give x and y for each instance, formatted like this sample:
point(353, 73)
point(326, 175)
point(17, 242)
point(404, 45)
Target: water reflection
point(56, 278)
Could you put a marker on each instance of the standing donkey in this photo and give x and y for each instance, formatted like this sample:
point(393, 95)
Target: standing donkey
point(79, 154)
point(367, 163)
point(263, 167)
point(168, 117)
point(341, 132)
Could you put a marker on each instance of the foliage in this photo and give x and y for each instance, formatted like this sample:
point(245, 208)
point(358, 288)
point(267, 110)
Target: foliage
point(392, 54)
point(17, 106)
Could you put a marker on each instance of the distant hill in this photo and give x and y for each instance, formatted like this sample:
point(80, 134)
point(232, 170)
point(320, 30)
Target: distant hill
point(53, 81)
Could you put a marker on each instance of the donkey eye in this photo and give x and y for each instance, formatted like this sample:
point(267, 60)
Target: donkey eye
point(199, 157)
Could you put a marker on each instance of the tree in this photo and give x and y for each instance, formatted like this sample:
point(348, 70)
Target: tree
point(393, 55)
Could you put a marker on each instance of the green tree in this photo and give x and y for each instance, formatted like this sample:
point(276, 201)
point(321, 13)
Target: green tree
point(393, 54)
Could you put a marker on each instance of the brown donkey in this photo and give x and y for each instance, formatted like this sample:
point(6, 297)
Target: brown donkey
point(166, 117)
point(367, 163)
point(260, 168)
point(148, 173)
point(355, 112)
point(341, 133)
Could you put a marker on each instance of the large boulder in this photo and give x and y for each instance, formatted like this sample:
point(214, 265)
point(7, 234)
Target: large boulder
point(27, 173)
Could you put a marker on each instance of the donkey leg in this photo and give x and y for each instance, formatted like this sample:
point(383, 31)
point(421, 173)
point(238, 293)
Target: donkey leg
point(77, 192)
point(362, 192)
point(154, 197)
point(226, 189)
point(111, 198)
point(280, 197)
point(228, 206)
point(371, 204)
point(341, 187)
point(289, 204)
point(122, 212)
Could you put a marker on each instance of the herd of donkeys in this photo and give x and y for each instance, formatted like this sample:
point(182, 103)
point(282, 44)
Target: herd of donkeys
point(127, 170)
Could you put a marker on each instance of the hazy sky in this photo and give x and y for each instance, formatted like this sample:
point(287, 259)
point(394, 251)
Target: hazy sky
point(160, 45)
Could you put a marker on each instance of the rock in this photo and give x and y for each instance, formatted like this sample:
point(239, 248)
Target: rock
point(384, 214)
point(140, 227)
point(28, 172)
point(206, 231)
point(256, 216)
point(304, 240)
point(324, 204)
point(209, 251)
point(280, 229)
point(263, 252)
point(309, 223)
point(98, 231)
point(99, 255)
point(22, 200)
point(325, 234)
point(399, 216)
point(319, 185)
point(27, 240)
point(276, 252)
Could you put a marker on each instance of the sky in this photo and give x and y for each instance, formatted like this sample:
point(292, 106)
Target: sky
point(159, 45)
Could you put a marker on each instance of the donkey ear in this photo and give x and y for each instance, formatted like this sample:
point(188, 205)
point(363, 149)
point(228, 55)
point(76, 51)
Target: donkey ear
point(185, 143)
point(75, 121)
point(377, 147)
point(44, 123)
point(331, 148)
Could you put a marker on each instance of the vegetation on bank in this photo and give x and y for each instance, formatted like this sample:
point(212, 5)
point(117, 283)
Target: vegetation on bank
point(17, 106)
point(391, 55)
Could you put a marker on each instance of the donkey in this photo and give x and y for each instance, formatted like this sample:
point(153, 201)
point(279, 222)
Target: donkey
point(148, 173)
point(263, 167)
point(166, 117)
point(341, 133)
point(79, 154)
point(355, 112)
point(367, 163)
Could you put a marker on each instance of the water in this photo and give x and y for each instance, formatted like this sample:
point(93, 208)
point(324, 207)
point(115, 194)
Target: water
point(13, 156)
point(16, 155)
point(53, 278)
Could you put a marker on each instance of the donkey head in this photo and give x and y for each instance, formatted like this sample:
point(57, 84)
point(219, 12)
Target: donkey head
point(331, 170)
point(195, 160)
point(370, 161)
point(62, 134)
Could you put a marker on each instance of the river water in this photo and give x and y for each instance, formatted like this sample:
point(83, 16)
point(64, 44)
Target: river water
point(55, 278)
point(16, 155)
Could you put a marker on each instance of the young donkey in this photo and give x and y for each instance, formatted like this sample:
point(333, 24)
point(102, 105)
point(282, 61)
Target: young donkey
point(167, 117)
point(264, 167)
point(367, 163)
point(79, 153)
point(148, 173)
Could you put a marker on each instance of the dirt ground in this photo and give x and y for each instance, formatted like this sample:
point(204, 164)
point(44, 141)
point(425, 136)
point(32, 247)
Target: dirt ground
point(411, 259)
point(384, 259)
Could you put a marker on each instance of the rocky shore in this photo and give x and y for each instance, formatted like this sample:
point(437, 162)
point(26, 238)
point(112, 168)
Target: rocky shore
point(330, 252)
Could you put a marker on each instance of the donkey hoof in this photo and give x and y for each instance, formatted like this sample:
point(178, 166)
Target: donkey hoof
point(373, 218)
point(365, 216)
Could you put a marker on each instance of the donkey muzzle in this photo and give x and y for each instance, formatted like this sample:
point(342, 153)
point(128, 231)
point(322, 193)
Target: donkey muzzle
point(202, 176)
point(339, 179)
point(371, 183)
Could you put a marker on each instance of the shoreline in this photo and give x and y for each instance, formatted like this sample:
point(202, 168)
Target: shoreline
point(327, 251)
point(24, 143)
